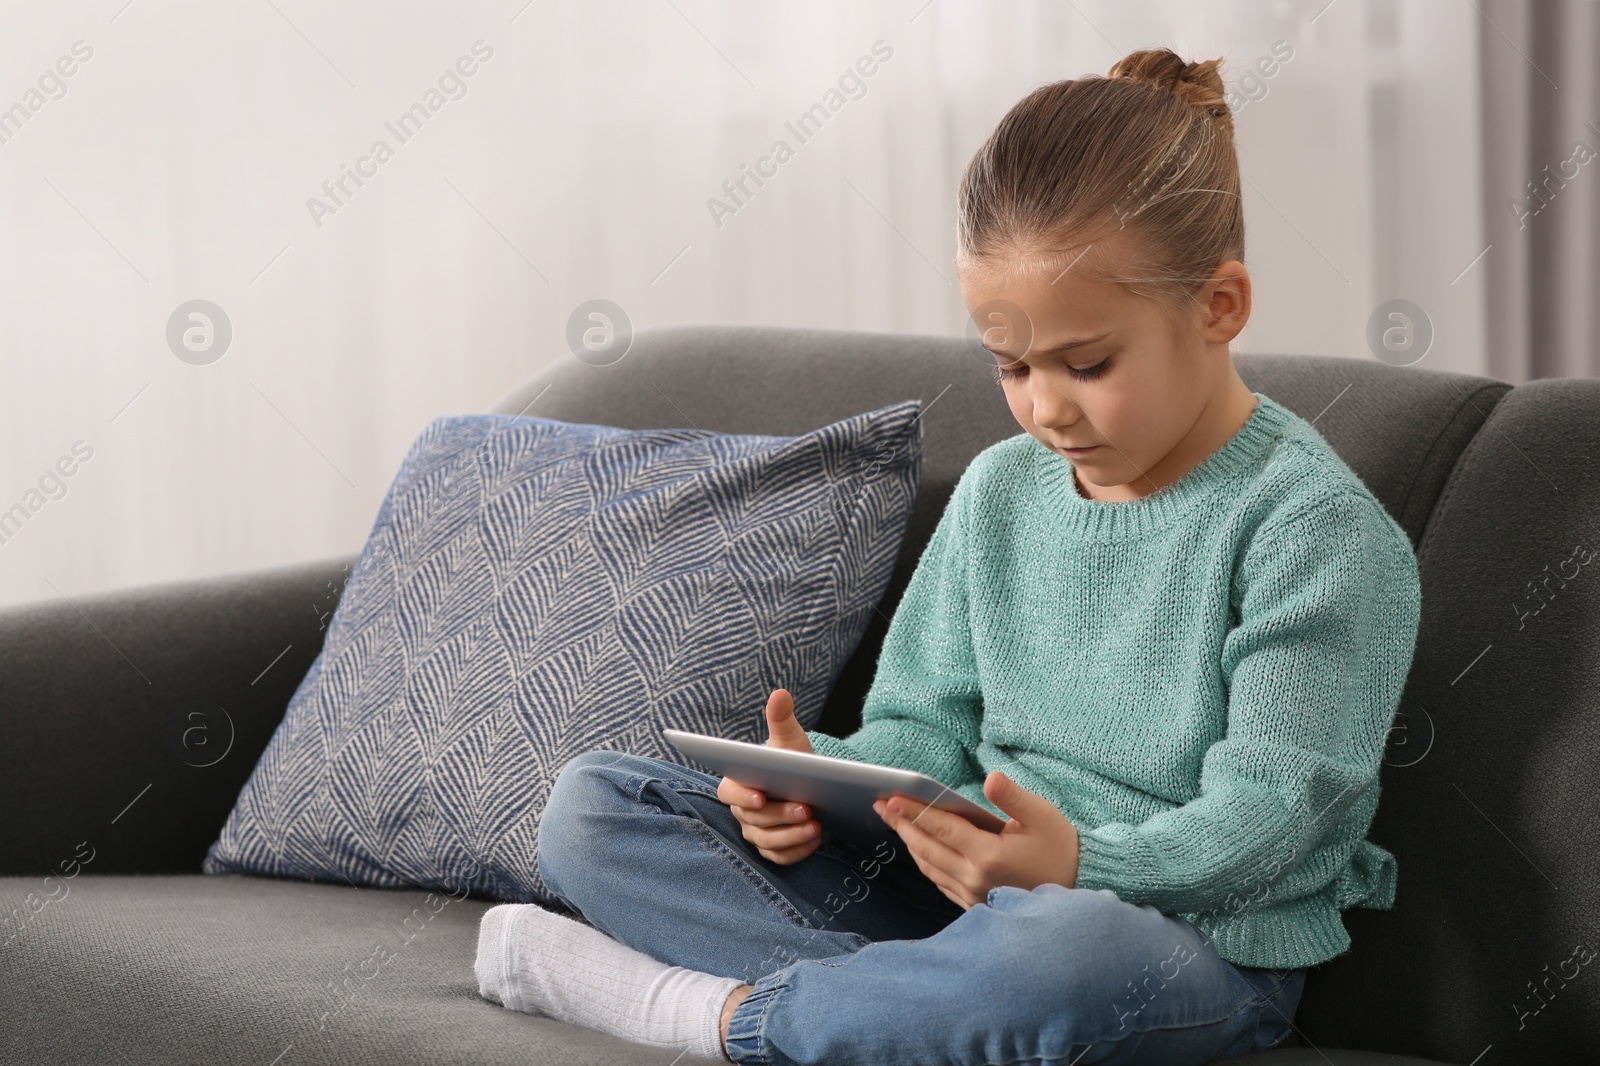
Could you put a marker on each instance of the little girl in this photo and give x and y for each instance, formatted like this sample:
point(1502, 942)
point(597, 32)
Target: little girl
point(1163, 632)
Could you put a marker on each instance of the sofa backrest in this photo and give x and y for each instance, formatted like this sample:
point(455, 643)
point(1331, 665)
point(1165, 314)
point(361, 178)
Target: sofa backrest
point(1488, 793)
point(1400, 429)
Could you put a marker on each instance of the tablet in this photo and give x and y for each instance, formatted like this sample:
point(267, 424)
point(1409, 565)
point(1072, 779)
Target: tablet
point(839, 792)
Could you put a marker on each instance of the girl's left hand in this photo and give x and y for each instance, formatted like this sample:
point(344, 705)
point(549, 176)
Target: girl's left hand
point(1039, 845)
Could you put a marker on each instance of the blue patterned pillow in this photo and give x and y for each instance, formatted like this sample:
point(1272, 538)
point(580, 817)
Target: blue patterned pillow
point(534, 589)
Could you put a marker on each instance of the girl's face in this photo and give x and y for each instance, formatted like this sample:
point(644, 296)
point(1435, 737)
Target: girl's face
point(1086, 364)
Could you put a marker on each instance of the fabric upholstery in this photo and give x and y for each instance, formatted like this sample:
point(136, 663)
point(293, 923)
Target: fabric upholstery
point(214, 971)
point(1488, 805)
point(533, 589)
point(1401, 429)
point(135, 716)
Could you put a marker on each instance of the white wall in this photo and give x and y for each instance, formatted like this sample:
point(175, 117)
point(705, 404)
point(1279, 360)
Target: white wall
point(179, 162)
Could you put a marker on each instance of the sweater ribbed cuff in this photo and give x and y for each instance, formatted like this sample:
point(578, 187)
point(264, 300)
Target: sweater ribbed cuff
point(1103, 864)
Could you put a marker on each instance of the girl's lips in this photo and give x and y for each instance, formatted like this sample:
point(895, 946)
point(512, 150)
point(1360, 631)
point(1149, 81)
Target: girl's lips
point(1080, 451)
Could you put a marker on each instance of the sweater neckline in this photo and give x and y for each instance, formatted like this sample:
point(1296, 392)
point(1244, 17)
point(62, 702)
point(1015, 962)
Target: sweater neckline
point(1118, 518)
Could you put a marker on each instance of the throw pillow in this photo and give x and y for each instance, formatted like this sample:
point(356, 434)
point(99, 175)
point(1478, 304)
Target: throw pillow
point(533, 589)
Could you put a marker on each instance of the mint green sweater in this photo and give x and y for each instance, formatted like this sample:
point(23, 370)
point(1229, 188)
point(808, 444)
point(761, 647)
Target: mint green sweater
point(1202, 680)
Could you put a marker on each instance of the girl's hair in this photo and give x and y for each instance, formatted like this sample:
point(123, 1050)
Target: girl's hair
point(1147, 148)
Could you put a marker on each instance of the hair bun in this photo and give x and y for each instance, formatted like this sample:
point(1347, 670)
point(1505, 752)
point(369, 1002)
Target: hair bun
point(1197, 84)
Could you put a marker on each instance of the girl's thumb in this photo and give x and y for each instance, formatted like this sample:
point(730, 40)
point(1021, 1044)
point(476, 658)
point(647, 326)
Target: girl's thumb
point(785, 729)
point(1008, 795)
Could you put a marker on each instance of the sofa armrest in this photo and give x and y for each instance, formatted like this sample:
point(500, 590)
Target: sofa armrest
point(132, 719)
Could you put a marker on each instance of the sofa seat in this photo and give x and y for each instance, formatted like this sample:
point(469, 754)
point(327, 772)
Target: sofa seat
point(176, 969)
point(128, 970)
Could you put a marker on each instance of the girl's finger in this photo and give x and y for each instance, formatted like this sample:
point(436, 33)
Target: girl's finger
point(791, 854)
point(937, 822)
point(772, 814)
point(787, 837)
point(929, 870)
point(942, 882)
point(917, 843)
point(937, 851)
point(732, 793)
point(787, 856)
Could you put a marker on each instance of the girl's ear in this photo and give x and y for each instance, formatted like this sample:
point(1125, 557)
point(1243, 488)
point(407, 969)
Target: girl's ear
point(1227, 301)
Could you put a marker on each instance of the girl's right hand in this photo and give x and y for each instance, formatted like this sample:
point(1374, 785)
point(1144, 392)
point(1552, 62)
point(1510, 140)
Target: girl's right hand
point(782, 832)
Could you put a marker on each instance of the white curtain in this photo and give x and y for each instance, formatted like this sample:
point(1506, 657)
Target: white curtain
point(180, 159)
point(1541, 94)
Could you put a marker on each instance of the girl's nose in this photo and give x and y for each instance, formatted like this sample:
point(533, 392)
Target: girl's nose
point(1052, 409)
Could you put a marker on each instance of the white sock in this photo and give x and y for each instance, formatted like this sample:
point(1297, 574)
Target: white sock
point(536, 961)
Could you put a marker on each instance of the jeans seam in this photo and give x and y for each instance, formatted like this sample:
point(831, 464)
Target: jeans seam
point(757, 881)
point(1254, 1002)
point(685, 788)
point(635, 788)
point(686, 785)
point(1176, 1027)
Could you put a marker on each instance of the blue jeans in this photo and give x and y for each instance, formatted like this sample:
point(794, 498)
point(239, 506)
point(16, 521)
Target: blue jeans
point(856, 957)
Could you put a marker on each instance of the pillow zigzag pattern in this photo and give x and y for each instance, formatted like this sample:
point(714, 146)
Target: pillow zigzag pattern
point(533, 589)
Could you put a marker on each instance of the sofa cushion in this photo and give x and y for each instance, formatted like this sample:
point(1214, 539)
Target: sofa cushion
point(1489, 782)
point(187, 970)
point(533, 589)
point(1401, 429)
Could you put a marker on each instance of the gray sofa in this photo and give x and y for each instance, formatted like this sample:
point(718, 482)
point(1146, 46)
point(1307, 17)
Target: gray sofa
point(132, 719)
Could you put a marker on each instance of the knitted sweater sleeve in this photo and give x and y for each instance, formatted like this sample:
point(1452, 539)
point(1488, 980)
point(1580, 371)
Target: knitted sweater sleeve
point(1328, 604)
point(923, 709)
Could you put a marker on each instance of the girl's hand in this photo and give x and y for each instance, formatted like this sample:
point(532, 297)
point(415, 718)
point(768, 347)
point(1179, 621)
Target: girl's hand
point(1039, 845)
point(782, 832)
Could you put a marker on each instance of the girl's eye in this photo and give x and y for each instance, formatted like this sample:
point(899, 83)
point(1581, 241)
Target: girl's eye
point(1089, 373)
